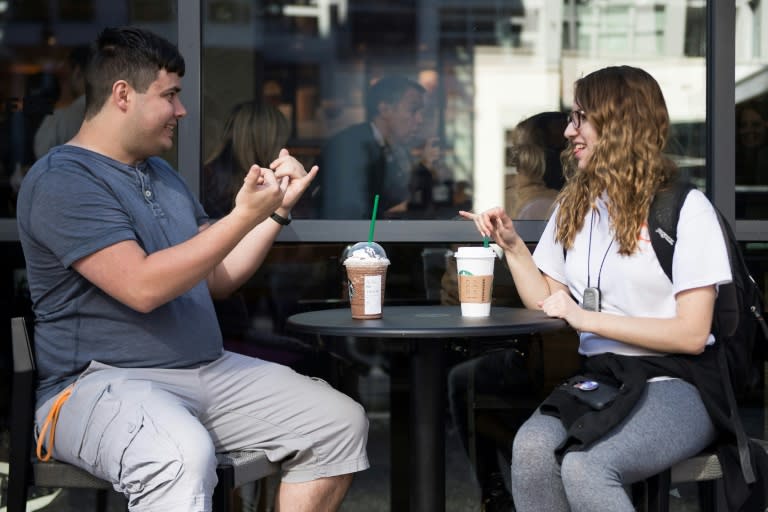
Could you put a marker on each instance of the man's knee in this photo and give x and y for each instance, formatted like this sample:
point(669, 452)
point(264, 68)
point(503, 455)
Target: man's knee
point(351, 419)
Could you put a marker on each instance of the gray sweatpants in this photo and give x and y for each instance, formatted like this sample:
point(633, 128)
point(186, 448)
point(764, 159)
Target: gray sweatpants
point(154, 433)
point(669, 424)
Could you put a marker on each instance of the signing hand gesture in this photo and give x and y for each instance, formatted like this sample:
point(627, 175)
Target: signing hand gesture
point(496, 224)
point(259, 196)
point(293, 179)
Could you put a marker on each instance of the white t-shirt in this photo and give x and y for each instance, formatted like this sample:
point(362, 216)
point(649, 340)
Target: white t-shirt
point(636, 285)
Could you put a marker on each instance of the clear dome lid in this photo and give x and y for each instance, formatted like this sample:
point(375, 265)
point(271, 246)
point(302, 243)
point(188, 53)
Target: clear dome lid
point(365, 251)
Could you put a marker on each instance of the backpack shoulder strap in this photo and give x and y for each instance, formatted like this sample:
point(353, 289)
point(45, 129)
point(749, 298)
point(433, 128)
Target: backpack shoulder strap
point(662, 221)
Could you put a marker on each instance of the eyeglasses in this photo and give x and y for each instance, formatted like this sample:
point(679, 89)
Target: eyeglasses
point(576, 117)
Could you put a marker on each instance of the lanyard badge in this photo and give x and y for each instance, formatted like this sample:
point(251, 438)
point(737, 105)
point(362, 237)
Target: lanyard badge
point(591, 300)
point(591, 296)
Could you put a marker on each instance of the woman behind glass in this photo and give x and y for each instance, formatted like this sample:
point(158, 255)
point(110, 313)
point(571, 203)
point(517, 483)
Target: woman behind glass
point(254, 133)
point(612, 290)
point(527, 196)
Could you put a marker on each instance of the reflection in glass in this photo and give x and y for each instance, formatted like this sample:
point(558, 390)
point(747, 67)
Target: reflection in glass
point(41, 43)
point(385, 155)
point(751, 111)
point(534, 171)
point(254, 133)
point(484, 66)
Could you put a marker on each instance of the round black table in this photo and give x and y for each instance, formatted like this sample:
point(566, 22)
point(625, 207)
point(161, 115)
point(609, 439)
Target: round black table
point(427, 327)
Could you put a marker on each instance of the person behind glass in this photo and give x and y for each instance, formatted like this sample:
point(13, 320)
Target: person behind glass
point(60, 126)
point(254, 132)
point(42, 91)
point(374, 157)
point(751, 145)
point(122, 265)
point(595, 268)
point(527, 195)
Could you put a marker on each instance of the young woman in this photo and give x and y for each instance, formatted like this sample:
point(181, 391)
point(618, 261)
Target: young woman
point(594, 267)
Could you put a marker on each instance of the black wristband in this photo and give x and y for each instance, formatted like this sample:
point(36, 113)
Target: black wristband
point(283, 221)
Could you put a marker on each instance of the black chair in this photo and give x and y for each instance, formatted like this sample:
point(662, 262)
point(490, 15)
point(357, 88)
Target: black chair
point(234, 469)
point(652, 494)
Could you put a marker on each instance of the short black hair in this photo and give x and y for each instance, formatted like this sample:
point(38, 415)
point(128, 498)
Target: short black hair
point(132, 54)
point(388, 89)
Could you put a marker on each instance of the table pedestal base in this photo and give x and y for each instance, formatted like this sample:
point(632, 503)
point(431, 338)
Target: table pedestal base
point(428, 391)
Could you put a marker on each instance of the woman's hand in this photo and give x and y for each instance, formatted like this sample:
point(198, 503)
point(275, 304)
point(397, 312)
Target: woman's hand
point(561, 305)
point(293, 179)
point(496, 224)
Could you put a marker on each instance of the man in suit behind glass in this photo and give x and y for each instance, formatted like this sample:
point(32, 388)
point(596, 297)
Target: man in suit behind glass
point(374, 157)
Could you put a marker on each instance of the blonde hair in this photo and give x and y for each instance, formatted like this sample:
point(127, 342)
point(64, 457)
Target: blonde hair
point(626, 108)
point(254, 133)
point(529, 153)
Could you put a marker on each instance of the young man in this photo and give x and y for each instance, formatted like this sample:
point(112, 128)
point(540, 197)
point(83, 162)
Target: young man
point(373, 157)
point(123, 265)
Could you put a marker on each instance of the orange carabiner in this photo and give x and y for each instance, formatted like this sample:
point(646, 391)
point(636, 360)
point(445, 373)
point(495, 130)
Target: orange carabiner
point(50, 423)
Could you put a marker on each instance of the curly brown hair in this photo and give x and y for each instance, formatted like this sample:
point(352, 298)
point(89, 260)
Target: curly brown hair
point(626, 108)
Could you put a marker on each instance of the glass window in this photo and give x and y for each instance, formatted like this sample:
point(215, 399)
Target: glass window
point(41, 48)
point(474, 69)
point(76, 10)
point(300, 74)
point(751, 111)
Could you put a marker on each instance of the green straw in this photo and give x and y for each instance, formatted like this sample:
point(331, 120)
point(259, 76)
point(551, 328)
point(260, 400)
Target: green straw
point(486, 241)
point(373, 219)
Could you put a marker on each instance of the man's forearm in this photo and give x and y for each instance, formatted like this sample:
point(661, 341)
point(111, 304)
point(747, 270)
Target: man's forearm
point(245, 258)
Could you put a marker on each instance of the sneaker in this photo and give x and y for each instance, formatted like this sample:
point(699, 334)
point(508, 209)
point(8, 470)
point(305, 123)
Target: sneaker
point(495, 497)
point(498, 503)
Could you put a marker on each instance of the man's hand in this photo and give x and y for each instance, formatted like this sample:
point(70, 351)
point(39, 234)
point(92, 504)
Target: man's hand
point(431, 152)
point(294, 180)
point(259, 196)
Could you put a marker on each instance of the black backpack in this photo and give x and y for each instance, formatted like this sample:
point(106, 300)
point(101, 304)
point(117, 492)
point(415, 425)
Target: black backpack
point(738, 318)
point(740, 330)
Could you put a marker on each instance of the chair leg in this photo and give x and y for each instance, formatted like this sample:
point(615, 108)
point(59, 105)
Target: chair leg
point(657, 491)
point(707, 496)
point(250, 496)
point(101, 500)
point(16, 494)
point(262, 489)
point(222, 494)
point(639, 496)
point(19, 468)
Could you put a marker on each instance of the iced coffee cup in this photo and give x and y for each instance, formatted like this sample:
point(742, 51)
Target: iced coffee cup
point(366, 266)
point(475, 269)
